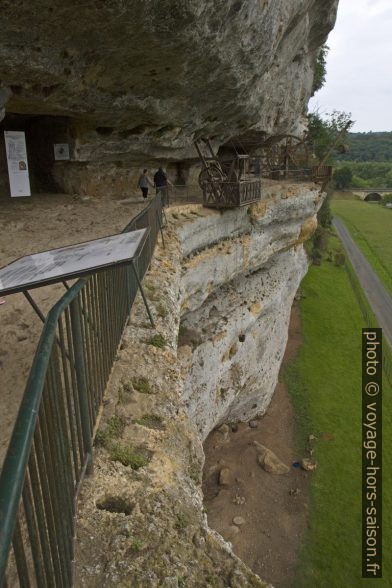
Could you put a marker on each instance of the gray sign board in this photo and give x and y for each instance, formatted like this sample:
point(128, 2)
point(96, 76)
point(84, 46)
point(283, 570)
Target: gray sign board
point(48, 267)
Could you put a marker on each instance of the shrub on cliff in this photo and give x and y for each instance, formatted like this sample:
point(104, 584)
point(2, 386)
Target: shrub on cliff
point(320, 72)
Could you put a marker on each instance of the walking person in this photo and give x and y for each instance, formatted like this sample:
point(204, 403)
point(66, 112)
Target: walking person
point(161, 182)
point(144, 182)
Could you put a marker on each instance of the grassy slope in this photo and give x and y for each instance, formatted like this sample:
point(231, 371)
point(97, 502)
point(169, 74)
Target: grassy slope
point(325, 383)
point(370, 226)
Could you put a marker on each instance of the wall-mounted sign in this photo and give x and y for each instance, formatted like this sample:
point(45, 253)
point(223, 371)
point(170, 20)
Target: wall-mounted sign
point(18, 169)
point(61, 151)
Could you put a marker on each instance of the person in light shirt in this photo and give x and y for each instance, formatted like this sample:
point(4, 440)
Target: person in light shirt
point(144, 182)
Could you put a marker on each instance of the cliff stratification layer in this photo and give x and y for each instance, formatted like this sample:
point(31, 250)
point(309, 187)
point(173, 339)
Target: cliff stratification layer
point(221, 292)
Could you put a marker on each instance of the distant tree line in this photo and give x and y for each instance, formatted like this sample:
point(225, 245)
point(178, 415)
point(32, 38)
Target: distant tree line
point(361, 160)
point(369, 147)
point(363, 175)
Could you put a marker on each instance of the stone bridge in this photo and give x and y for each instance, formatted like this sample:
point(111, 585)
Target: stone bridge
point(372, 194)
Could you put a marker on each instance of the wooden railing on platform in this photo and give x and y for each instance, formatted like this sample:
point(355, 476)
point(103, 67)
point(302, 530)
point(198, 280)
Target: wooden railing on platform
point(231, 194)
point(320, 174)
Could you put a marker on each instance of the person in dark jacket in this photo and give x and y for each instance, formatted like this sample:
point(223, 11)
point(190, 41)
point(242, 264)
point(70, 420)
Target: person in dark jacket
point(161, 182)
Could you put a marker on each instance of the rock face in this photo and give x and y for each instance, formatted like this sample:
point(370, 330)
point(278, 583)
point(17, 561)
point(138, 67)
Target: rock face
point(139, 80)
point(237, 297)
point(221, 292)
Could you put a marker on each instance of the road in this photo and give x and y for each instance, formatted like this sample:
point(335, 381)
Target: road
point(378, 296)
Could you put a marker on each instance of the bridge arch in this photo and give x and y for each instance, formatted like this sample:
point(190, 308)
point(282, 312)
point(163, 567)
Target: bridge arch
point(373, 197)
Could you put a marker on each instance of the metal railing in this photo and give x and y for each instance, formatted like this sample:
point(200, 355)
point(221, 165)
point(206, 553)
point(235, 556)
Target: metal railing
point(51, 445)
point(183, 194)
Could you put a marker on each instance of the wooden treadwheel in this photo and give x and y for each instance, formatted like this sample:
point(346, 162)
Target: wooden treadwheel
point(288, 152)
point(210, 180)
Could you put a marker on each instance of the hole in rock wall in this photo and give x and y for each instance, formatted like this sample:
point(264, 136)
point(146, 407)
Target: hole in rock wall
point(115, 504)
point(105, 131)
point(42, 133)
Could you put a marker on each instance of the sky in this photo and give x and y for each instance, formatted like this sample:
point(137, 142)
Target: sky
point(359, 67)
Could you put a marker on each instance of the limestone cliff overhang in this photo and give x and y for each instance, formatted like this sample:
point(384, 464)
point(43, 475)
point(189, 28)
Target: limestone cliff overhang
point(148, 77)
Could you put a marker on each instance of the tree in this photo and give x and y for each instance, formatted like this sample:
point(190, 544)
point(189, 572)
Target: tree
point(320, 72)
point(324, 215)
point(320, 239)
point(323, 132)
point(358, 182)
point(343, 177)
point(387, 199)
point(340, 259)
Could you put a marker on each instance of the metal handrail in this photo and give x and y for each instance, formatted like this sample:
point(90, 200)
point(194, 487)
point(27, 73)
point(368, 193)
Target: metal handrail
point(51, 444)
point(15, 463)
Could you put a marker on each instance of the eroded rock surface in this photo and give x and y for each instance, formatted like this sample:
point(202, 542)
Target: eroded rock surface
point(143, 78)
point(221, 293)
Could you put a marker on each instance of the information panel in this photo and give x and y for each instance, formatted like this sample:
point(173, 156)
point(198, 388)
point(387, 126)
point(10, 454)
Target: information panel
point(61, 151)
point(18, 170)
point(73, 261)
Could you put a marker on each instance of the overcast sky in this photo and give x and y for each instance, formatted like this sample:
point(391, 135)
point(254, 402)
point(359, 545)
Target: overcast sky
point(359, 69)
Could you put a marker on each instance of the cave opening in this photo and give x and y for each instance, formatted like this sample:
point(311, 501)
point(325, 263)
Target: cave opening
point(48, 147)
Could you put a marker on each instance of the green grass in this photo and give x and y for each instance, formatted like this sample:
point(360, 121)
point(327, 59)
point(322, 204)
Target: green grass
point(370, 226)
point(157, 341)
point(151, 421)
point(181, 522)
point(325, 384)
point(137, 544)
point(109, 437)
point(113, 429)
point(127, 456)
point(142, 385)
point(161, 310)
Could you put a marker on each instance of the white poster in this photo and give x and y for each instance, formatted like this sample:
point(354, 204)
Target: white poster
point(18, 169)
point(61, 151)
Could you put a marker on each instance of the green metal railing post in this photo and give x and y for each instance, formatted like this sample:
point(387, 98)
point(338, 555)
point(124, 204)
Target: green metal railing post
point(160, 228)
point(80, 369)
point(143, 295)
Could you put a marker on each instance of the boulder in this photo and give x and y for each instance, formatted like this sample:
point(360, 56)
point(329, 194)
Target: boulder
point(225, 477)
point(308, 465)
point(269, 461)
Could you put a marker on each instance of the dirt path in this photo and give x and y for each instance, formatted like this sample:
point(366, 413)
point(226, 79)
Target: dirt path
point(42, 222)
point(274, 507)
point(377, 295)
